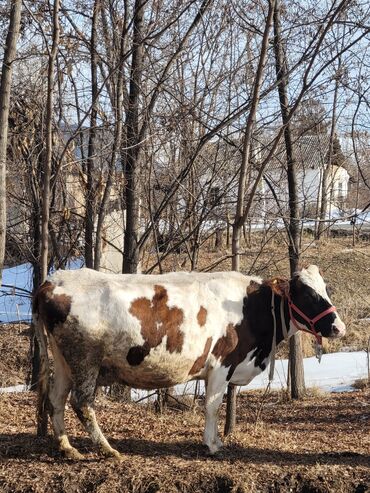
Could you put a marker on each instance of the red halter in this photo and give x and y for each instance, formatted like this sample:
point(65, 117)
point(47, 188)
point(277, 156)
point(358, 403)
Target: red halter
point(312, 322)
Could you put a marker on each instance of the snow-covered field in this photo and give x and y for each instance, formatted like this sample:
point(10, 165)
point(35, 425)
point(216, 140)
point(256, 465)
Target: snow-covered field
point(336, 373)
point(337, 219)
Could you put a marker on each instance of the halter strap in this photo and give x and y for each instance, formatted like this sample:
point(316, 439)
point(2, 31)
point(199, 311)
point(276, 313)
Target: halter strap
point(311, 322)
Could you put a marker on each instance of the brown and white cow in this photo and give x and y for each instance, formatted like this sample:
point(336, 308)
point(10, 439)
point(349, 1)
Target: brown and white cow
point(157, 331)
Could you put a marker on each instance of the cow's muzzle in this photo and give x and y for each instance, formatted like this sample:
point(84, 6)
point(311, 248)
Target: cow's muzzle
point(338, 329)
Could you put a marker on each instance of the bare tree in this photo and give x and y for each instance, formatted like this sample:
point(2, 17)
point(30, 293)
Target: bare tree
point(5, 84)
point(118, 98)
point(43, 420)
point(295, 354)
point(240, 213)
point(49, 144)
point(325, 193)
point(131, 153)
point(90, 166)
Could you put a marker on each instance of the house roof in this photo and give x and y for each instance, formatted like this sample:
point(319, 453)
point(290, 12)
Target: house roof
point(310, 152)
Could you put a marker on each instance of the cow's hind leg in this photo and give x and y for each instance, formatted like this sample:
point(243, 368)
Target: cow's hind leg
point(59, 390)
point(82, 401)
point(216, 386)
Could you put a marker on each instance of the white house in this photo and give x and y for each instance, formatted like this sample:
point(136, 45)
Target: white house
point(311, 154)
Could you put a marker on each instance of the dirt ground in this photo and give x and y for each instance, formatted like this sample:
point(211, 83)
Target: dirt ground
point(320, 444)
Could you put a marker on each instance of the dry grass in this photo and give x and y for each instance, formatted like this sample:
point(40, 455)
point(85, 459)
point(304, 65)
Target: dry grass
point(361, 384)
point(317, 445)
point(14, 354)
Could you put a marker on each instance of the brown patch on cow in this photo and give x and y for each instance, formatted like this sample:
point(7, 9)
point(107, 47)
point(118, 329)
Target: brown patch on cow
point(200, 362)
point(158, 320)
point(52, 308)
point(202, 316)
point(226, 344)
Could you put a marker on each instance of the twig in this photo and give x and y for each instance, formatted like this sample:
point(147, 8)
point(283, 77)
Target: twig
point(16, 288)
point(368, 360)
point(146, 397)
point(179, 402)
point(259, 411)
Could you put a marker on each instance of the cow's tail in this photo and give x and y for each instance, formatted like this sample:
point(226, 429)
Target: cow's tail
point(44, 369)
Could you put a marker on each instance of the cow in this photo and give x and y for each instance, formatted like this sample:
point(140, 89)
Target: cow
point(156, 331)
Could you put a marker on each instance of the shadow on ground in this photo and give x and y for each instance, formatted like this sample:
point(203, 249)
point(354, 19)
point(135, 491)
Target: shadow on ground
point(29, 447)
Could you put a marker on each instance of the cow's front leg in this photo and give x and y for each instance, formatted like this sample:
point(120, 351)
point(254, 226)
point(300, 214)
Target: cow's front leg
point(82, 401)
point(216, 386)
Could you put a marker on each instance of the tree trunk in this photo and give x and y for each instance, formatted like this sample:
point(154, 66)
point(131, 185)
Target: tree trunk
point(49, 147)
point(297, 383)
point(47, 163)
point(240, 214)
point(295, 353)
point(131, 164)
point(5, 85)
point(90, 168)
point(36, 280)
point(115, 152)
point(325, 189)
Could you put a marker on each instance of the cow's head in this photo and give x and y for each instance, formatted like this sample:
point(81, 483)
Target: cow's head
point(309, 294)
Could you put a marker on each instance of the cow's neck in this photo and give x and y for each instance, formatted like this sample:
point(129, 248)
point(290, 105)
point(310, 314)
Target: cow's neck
point(260, 314)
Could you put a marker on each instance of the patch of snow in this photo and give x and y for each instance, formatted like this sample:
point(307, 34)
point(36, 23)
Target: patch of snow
point(14, 388)
point(335, 373)
point(335, 370)
point(343, 388)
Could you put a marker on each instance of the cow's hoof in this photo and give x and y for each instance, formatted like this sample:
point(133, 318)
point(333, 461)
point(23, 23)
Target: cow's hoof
point(117, 457)
point(213, 449)
point(72, 454)
point(219, 442)
point(112, 453)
